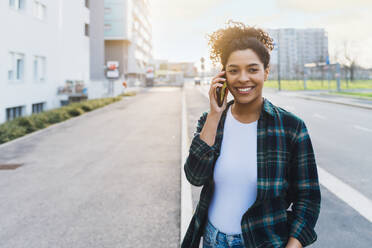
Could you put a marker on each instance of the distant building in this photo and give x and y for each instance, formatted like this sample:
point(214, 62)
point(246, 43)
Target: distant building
point(44, 47)
point(296, 47)
point(188, 68)
point(128, 37)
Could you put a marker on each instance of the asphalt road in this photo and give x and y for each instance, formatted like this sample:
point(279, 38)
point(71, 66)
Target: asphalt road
point(110, 178)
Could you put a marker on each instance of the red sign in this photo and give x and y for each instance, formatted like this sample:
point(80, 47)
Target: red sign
point(112, 67)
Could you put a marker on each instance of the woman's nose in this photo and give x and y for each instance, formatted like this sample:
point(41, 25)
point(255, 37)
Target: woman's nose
point(243, 77)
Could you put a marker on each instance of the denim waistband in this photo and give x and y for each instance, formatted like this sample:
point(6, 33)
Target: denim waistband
point(216, 232)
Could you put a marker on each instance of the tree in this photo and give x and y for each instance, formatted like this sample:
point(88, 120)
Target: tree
point(351, 63)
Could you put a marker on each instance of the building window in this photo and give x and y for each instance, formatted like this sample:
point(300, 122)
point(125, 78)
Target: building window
point(39, 10)
point(107, 10)
point(87, 3)
point(17, 4)
point(16, 67)
point(39, 69)
point(12, 113)
point(86, 29)
point(107, 26)
point(38, 107)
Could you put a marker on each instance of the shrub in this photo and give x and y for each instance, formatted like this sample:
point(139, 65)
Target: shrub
point(57, 115)
point(23, 125)
point(74, 111)
point(86, 107)
point(40, 120)
point(10, 131)
point(25, 122)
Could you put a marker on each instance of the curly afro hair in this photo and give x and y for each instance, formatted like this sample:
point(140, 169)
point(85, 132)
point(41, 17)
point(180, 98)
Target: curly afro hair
point(238, 36)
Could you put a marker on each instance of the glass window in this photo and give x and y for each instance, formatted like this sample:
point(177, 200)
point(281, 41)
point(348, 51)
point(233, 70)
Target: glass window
point(38, 107)
point(19, 69)
point(16, 66)
point(86, 29)
point(21, 4)
point(39, 68)
point(14, 112)
point(39, 10)
point(36, 70)
point(12, 3)
point(107, 26)
point(10, 66)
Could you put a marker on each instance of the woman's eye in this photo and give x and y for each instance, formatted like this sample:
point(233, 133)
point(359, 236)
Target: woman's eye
point(232, 71)
point(253, 70)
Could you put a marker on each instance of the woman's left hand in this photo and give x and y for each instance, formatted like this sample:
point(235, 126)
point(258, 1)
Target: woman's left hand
point(293, 243)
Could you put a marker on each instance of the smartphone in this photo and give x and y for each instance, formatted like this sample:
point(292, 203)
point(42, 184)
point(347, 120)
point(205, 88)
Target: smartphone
point(220, 92)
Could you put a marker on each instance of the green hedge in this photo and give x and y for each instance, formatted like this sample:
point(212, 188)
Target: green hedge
point(23, 125)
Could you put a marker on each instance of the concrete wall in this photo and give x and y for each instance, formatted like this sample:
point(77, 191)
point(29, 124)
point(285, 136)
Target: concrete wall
point(97, 42)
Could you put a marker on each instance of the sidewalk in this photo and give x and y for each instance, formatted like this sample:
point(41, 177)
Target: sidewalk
point(324, 96)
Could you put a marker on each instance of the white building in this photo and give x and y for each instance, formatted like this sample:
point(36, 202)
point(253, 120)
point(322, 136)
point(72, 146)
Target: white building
point(296, 47)
point(43, 45)
point(128, 37)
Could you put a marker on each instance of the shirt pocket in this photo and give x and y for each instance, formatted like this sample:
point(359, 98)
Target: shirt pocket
point(277, 171)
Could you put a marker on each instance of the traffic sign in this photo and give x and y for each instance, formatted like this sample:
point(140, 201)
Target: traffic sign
point(112, 65)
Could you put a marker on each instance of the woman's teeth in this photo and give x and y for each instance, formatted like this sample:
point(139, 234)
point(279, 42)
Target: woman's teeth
point(245, 89)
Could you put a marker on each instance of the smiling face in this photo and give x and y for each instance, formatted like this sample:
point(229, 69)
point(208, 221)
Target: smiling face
point(245, 75)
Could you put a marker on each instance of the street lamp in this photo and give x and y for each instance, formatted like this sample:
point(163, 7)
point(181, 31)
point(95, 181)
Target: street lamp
point(277, 48)
point(202, 67)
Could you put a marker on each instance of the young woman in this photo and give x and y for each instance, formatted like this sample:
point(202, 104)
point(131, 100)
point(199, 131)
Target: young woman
point(254, 160)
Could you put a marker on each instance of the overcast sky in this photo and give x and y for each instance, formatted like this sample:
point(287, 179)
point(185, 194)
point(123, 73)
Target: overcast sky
point(180, 26)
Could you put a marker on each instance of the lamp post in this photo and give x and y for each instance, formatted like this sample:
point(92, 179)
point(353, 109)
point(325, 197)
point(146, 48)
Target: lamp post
point(278, 57)
point(202, 67)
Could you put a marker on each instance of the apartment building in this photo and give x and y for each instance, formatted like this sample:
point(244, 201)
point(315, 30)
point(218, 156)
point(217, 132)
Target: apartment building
point(128, 38)
point(296, 47)
point(45, 47)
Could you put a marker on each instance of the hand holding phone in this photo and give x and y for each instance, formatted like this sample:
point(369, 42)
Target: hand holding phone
point(220, 91)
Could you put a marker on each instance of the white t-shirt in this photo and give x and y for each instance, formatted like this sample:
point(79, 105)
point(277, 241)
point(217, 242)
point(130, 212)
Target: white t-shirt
point(235, 175)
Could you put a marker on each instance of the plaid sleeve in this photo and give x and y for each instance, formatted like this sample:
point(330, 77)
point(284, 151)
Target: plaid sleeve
point(305, 186)
point(198, 165)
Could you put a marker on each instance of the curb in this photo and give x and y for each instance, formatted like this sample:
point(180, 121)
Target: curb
point(186, 195)
point(73, 119)
point(333, 101)
point(347, 96)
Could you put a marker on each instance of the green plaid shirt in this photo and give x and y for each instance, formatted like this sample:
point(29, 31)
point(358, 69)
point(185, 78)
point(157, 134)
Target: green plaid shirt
point(286, 173)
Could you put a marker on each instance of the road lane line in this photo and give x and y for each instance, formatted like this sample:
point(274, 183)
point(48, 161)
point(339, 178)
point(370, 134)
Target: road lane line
point(346, 193)
point(186, 198)
point(363, 128)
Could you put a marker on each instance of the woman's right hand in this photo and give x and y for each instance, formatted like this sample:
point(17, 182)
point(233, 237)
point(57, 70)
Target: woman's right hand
point(217, 81)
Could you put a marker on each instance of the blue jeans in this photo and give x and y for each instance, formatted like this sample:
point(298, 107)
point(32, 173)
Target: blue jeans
point(213, 238)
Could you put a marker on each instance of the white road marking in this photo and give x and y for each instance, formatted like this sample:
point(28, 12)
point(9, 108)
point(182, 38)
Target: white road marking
point(346, 193)
point(319, 116)
point(343, 191)
point(363, 128)
point(186, 198)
